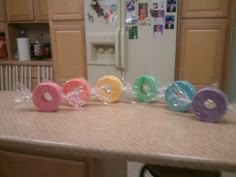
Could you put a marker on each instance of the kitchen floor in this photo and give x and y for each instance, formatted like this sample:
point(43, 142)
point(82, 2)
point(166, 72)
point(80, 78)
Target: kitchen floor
point(134, 169)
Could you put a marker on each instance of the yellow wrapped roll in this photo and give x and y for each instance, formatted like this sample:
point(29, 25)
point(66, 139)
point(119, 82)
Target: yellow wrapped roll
point(109, 89)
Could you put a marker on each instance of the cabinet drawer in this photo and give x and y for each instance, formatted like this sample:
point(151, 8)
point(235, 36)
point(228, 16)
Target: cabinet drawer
point(205, 8)
point(16, 165)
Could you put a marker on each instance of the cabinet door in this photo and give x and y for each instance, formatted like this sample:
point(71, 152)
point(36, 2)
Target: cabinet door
point(66, 9)
point(2, 10)
point(16, 165)
point(41, 9)
point(3, 27)
point(68, 44)
point(201, 53)
point(19, 10)
point(205, 8)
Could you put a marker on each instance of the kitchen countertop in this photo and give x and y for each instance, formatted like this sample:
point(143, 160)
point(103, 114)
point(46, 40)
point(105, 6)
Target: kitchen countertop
point(136, 132)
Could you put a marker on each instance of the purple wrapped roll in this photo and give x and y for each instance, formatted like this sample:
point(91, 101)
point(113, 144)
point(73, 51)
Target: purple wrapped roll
point(209, 104)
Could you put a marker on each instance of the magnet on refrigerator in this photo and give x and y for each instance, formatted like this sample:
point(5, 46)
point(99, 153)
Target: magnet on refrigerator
point(133, 32)
point(170, 22)
point(158, 31)
point(171, 6)
point(142, 11)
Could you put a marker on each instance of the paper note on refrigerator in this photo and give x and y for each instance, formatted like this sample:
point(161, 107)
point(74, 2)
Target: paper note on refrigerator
point(158, 4)
point(131, 11)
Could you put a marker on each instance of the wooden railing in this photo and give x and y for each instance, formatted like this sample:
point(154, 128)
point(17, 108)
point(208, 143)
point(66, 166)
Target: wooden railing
point(27, 74)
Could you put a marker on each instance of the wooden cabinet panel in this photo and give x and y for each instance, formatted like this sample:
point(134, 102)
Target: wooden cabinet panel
point(68, 44)
point(19, 10)
point(2, 10)
point(205, 8)
point(15, 165)
point(41, 9)
point(63, 9)
point(201, 52)
point(2, 27)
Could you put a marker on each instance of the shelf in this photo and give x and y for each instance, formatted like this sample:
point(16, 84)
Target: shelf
point(3, 59)
point(33, 32)
point(27, 22)
point(30, 62)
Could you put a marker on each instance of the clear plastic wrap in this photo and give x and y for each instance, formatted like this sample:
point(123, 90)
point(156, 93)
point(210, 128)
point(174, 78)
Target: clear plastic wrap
point(232, 107)
point(23, 96)
point(128, 95)
point(48, 96)
point(74, 99)
point(77, 92)
point(145, 89)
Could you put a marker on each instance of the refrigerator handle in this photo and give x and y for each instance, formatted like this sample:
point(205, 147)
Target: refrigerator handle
point(123, 48)
point(117, 46)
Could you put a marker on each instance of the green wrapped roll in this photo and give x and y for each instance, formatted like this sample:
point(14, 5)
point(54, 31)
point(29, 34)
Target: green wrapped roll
point(145, 88)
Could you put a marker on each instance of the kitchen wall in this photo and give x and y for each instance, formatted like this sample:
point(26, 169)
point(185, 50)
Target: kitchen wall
point(232, 85)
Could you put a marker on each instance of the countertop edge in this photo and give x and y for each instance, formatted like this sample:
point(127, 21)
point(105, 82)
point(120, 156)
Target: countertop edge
point(75, 152)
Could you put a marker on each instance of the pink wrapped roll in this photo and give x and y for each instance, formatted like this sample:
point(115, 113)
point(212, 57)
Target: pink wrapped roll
point(48, 96)
point(81, 90)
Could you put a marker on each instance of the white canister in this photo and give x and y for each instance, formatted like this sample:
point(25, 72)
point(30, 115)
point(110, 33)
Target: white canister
point(23, 49)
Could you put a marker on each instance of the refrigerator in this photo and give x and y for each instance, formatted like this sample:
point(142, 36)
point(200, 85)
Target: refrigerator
point(129, 38)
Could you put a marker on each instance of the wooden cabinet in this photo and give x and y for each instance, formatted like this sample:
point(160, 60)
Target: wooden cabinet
point(4, 51)
point(68, 47)
point(205, 8)
point(201, 52)
point(27, 10)
point(41, 9)
point(66, 10)
point(68, 39)
point(16, 164)
point(2, 10)
point(2, 27)
point(19, 10)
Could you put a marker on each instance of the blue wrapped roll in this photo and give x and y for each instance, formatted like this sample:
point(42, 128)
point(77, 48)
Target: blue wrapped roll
point(179, 96)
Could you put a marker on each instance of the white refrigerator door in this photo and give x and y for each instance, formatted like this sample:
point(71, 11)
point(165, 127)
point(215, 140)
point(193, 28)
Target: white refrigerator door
point(147, 54)
point(102, 39)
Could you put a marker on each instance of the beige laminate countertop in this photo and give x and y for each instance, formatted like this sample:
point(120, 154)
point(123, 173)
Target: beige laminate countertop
point(138, 132)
